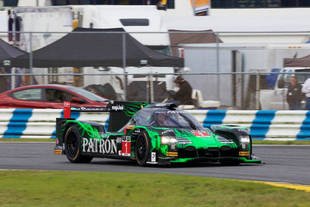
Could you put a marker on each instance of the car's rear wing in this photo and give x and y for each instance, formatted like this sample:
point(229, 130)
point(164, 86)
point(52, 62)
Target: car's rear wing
point(120, 112)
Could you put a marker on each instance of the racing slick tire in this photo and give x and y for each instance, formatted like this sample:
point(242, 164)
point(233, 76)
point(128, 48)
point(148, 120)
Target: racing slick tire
point(142, 149)
point(228, 161)
point(72, 146)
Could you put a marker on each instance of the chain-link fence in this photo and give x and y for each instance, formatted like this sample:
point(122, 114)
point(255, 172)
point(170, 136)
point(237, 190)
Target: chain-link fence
point(225, 70)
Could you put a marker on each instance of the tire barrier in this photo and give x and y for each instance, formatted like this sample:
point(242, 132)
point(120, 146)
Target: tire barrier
point(262, 124)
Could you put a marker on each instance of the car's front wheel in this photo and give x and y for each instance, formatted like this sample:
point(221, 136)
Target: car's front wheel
point(142, 149)
point(72, 146)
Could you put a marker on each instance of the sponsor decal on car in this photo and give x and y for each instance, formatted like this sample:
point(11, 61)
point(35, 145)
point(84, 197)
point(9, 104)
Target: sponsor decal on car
point(117, 108)
point(199, 133)
point(103, 146)
point(126, 146)
point(90, 109)
point(153, 157)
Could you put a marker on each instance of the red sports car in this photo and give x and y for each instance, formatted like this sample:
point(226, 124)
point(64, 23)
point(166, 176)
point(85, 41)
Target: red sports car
point(49, 96)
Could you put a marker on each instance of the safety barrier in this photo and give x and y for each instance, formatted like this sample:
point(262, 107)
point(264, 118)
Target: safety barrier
point(263, 124)
point(38, 123)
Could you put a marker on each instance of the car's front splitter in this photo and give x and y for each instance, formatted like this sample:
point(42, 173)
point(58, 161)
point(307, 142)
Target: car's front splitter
point(246, 160)
point(209, 159)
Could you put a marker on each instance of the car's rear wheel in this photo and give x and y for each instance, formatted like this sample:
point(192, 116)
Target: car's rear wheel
point(73, 146)
point(142, 149)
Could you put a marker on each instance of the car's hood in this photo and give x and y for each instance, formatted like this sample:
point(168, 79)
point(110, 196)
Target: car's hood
point(196, 138)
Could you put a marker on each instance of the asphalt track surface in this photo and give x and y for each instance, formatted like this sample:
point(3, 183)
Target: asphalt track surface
point(289, 164)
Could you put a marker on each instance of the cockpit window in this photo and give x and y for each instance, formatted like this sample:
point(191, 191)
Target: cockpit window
point(166, 118)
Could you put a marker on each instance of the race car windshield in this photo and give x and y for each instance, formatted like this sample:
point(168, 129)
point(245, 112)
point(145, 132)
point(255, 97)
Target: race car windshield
point(167, 118)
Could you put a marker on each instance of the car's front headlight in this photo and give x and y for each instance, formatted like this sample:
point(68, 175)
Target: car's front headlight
point(245, 142)
point(168, 140)
point(245, 139)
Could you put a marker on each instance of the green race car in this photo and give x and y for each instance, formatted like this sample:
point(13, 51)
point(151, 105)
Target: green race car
point(152, 134)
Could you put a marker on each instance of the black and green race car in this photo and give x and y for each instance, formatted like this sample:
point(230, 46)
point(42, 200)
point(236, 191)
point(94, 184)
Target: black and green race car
point(151, 134)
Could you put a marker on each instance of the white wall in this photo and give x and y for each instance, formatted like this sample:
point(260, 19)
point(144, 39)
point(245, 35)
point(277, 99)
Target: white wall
point(3, 24)
point(245, 20)
point(284, 19)
point(43, 21)
point(203, 58)
point(107, 16)
point(34, 2)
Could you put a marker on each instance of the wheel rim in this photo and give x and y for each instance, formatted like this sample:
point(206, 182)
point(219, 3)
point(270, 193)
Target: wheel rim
point(141, 149)
point(72, 145)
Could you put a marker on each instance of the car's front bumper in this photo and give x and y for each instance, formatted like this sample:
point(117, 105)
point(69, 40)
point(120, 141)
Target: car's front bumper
point(209, 159)
point(208, 154)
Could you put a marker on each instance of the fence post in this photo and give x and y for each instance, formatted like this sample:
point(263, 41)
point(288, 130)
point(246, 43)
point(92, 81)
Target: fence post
point(124, 65)
point(217, 67)
point(257, 90)
point(151, 89)
point(30, 57)
point(13, 78)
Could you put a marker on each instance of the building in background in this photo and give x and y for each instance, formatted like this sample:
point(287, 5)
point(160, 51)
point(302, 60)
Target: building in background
point(249, 41)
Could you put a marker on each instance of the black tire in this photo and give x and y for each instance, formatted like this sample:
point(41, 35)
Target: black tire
point(251, 148)
point(142, 149)
point(230, 162)
point(73, 146)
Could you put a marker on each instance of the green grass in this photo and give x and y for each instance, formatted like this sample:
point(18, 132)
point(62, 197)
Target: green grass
point(54, 188)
